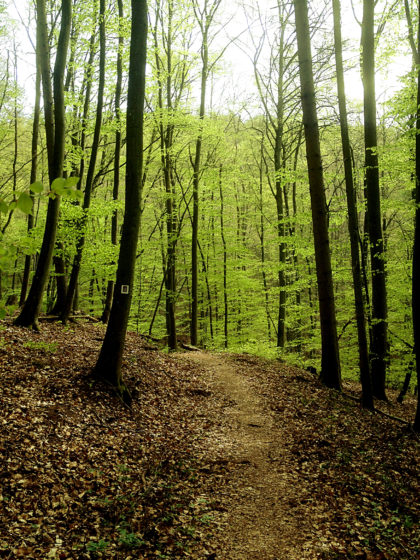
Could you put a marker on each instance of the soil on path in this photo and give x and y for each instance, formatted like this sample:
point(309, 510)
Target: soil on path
point(264, 517)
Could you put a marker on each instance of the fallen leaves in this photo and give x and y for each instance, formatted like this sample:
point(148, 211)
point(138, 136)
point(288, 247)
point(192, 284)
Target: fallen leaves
point(82, 477)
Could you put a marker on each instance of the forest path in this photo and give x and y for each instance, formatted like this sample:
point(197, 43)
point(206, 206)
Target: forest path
point(259, 493)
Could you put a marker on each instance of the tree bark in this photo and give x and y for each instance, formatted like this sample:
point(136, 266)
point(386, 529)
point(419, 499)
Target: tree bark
point(109, 361)
point(330, 361)
point(117, 158)
point(166, 132)
point(367, 397)
point(416, 249)
point(205, 17)
point(54, 110)
point(71, 290)
point(378, 349)
point(225, 294)
point(34, 166)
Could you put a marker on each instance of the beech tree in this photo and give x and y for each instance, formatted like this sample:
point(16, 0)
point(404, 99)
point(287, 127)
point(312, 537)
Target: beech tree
point(416, 248)
point(278, 92)
point(352, 215)
point(91, 170)
point(330, 360)
point(108, 366)
point(379, 345)
point(415, 296)
point(117, 155)
point(54, 110)
point(205, 15)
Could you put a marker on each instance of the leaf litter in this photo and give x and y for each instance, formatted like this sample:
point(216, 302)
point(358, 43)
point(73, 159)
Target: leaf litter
point(213, 444)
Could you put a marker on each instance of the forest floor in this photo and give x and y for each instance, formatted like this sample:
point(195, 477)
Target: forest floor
point(219, 457)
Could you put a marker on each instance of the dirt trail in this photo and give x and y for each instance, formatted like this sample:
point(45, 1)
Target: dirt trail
point(264, 519)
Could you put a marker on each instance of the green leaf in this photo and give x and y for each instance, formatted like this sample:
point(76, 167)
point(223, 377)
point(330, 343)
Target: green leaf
point(3, 312)
point(3, 207)
point(24, 203)
point(59, 185)
point(71, 182)
point(12, 205)
point(78, 195)
point(37, 187)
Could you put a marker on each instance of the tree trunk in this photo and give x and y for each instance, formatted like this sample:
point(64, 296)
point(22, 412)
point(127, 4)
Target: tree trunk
point(278, 147)
point(330, 361)
point(204, 16)
point(74, 276)
point(222, 233)
point(109, 361)
point(164, 78)
point(416, 249)
point(117, 158)
point(378, 349)
point(54, 110)
point(196, 184)
point(367, 398)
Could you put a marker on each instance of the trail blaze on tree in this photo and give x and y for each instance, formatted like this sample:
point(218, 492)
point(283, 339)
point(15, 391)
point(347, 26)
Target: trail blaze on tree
point(109, 362)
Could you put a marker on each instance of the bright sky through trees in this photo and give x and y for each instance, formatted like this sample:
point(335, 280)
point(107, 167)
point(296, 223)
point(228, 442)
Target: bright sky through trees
point(233, 83)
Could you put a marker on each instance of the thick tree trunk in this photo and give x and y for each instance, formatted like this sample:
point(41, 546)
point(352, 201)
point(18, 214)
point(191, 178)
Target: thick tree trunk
point(109, 361)
point(330, 362)
point(378, 349)
point(367, 398)
point(54, 110)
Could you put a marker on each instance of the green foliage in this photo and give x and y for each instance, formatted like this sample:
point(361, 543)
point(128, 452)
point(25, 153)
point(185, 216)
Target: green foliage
point(97, 546)
point(24, 203)
point(50, 347)
point(65, 187)
point(129, 540)
point(37, 187)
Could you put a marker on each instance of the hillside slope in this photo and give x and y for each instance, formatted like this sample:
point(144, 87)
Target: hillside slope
point(220, 457)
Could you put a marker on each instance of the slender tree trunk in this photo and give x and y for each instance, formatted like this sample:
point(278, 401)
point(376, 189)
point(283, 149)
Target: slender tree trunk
point(365, 378)
point(109, 361)
point(78, 142)
point(378, 349)
point(13, 299)
point(117, 158)
point(205, 16)
point(278, 147)
point(54, 110)
point(222, 233)
point(416, 249)
point(166, 144)
point(91, 170)
point(262, 239)
point(196, 184)
point(330, 361)
point(34, 166)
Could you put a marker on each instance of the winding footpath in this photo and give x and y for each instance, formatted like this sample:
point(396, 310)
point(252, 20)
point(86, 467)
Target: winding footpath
point(263, 518)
